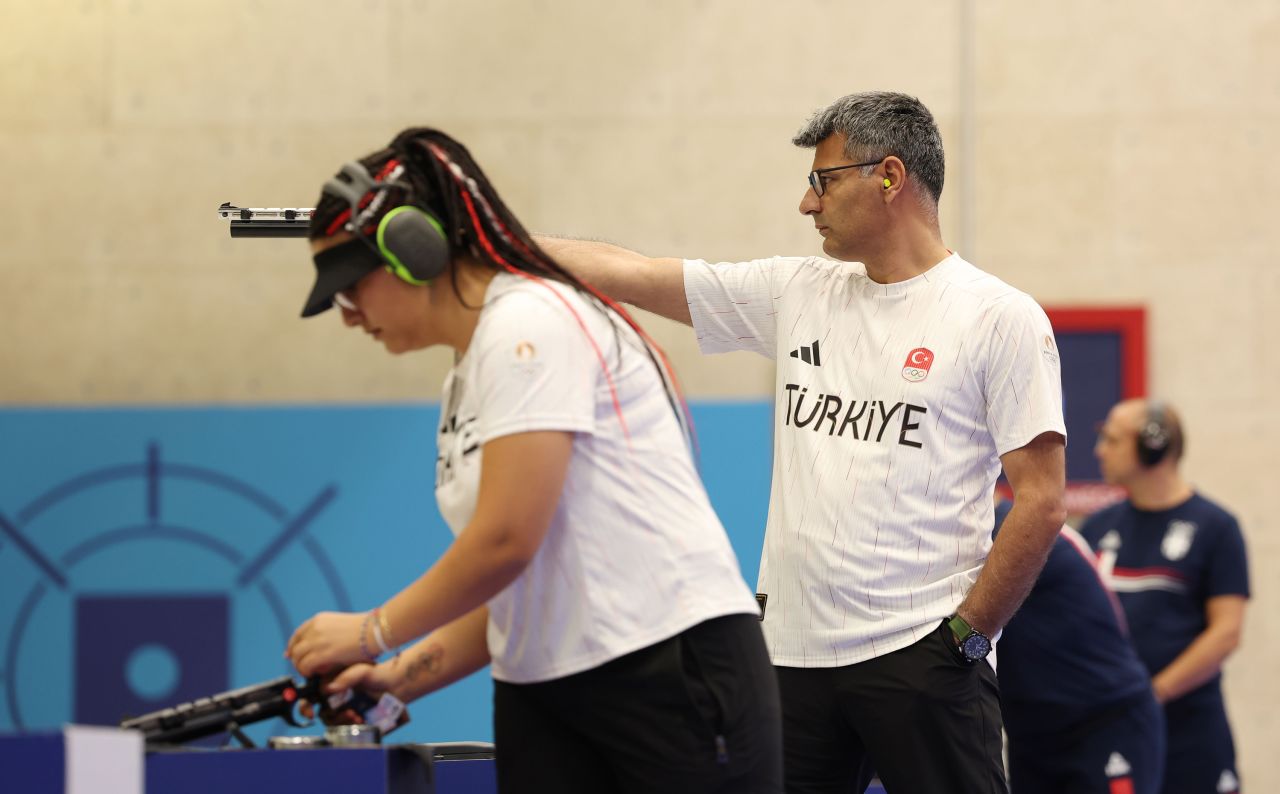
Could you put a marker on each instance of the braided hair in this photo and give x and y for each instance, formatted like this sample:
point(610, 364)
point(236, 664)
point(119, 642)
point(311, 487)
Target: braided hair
point(438, 174)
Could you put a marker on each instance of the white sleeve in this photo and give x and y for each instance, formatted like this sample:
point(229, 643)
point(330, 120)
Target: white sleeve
point(732, 304)
point(1023, 383)
point(535, 368)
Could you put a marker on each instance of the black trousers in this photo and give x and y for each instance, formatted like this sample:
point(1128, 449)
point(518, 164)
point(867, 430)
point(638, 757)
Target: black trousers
point(1119, 750)
point(694, 713)
point(1202, 754)
point(924, 719)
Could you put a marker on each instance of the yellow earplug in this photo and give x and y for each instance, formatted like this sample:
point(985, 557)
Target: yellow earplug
point(887, 183)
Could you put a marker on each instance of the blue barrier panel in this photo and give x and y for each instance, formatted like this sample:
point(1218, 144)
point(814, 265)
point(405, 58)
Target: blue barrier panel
point(187, 543)
point(33, 764)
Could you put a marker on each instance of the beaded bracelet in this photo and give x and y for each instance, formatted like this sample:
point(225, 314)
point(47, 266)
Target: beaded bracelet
point(363, 647)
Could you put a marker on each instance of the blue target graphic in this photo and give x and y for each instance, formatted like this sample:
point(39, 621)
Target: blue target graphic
point(149, 590)
point(151, 555)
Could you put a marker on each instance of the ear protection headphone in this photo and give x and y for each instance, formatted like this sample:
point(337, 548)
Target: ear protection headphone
point(1155, 435)
point(410, 240)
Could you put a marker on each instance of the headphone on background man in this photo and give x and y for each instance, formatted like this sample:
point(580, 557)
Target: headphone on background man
point(410, 240)
point(1155, 436)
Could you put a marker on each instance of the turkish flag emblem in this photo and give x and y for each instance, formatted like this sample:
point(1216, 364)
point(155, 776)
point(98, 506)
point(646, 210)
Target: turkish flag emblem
point(917, 365)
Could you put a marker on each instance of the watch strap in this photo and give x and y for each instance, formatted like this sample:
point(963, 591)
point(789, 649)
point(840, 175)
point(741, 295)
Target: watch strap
point(960, 628)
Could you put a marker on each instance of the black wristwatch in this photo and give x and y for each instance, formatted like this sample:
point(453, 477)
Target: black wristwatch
point(973, 644)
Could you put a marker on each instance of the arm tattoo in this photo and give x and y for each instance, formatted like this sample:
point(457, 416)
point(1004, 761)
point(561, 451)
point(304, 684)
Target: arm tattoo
point(428, 662)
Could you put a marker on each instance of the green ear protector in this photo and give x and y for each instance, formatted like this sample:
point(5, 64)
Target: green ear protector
point(409, 240)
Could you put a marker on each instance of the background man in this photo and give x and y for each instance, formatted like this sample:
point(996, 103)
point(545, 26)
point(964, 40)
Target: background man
point(1177, 561)
point(1077, 702)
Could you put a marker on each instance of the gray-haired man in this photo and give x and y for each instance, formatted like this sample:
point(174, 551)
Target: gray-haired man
point(906, 377)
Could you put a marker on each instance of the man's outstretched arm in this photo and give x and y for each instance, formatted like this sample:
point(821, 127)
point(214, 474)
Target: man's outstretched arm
point(653, 284)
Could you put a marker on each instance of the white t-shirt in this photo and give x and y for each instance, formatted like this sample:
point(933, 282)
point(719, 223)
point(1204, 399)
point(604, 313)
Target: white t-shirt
point(893, 405)
point(635, 553)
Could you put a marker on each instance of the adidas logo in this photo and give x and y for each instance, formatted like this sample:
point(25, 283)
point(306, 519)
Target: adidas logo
point(1117, 766)
point(808, 354)
point(1228, 783)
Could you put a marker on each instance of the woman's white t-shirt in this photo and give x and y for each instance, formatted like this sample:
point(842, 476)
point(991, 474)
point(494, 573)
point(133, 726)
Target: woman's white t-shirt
point(635, 553)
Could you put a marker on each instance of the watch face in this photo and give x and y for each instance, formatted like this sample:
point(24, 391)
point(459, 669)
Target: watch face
point(975, 647)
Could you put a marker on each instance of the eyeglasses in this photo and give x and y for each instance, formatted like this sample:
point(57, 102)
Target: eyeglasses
point(815, 176)
point(346, 300)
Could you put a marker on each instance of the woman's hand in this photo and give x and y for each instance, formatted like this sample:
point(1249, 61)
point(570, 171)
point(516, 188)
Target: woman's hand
point(328, 641)
point(370, 679)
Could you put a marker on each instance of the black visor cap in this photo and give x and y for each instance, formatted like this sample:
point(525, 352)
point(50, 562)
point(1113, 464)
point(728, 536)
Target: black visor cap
point(339, 268)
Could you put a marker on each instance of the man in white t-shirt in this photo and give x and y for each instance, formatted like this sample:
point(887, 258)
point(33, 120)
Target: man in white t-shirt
point(906, 378)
